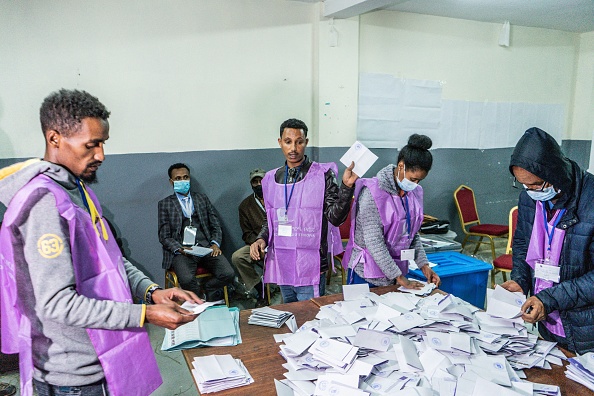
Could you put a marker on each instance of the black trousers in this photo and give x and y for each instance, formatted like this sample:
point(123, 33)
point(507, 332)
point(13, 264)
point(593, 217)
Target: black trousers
point(185, 268)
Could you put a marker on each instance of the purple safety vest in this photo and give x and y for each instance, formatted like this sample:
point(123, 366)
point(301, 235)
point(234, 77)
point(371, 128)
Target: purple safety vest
point(126, 356)
point(295, 260)
point(537, 249)
point(393, 214)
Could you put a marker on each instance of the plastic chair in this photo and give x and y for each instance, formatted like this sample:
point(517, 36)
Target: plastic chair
point(171, 280)
point(466, 205)
point(504, 262)
point(345, 229)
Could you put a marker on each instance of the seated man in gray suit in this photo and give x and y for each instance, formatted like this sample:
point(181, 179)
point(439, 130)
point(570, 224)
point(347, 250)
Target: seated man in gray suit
point(186, 219)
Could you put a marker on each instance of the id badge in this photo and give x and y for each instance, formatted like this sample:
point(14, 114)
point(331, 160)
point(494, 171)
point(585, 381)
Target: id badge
point(189, 235)
point(281, 215)
point(407, 254)
point(285, 230)
point(544, 269)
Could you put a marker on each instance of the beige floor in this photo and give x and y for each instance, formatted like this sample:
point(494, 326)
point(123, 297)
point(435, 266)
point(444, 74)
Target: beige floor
point(176, 376)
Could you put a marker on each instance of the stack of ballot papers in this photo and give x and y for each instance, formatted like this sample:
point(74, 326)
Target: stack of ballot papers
point(402, 344)
point(581, 369)
point(271, 317)
point(219, 372)
point(216, 326)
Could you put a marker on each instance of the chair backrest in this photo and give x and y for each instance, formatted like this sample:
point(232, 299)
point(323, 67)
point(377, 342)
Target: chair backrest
point(466, 205)
point(345, 228)
point(513, 220)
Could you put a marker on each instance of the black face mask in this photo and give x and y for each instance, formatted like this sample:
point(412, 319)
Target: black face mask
point(258, 191)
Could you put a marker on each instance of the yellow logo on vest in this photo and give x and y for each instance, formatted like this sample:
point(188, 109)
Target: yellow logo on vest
point(50, 246)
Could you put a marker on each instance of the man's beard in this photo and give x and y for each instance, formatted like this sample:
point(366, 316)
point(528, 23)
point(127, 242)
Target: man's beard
point(90, 179)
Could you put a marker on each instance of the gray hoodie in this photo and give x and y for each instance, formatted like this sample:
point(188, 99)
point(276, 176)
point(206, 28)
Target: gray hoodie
point(62, 352)
point(369, 232)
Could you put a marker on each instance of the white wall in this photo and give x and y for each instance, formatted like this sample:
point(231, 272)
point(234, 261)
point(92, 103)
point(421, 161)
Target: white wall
point(187, 75)
point(177, 75)
point(583, 105)
point(538, 67)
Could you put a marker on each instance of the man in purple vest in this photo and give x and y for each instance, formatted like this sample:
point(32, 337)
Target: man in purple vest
point(553, 246)
point(66, 291)
point(300, 198)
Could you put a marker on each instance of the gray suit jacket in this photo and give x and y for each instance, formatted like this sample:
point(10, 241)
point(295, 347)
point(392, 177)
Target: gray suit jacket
point(170, 224)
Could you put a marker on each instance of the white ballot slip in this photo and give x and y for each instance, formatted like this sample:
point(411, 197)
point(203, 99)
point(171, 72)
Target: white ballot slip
point(354, 292)
point(198, 251)
point(199, 308)
point(362, 157)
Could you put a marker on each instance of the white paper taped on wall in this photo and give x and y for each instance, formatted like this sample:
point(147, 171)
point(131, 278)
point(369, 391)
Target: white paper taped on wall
point(391, 109)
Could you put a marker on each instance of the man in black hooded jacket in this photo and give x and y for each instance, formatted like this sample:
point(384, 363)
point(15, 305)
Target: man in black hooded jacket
point(554, 260)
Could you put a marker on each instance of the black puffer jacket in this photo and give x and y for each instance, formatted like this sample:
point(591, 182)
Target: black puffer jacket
point(538, 153)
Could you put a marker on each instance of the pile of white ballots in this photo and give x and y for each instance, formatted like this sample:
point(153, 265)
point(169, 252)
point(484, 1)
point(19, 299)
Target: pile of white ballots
point(581, 369)
point(271, 317)
point(401, 344)
point(219, 372)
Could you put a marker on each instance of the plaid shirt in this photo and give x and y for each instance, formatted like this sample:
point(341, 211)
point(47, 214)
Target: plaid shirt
point(170, 224)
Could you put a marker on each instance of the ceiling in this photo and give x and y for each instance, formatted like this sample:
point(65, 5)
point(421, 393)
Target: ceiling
point(568, 15)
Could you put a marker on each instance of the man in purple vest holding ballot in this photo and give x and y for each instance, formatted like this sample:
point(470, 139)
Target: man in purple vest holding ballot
point(66, 292)
point(553, 246)
point(388, 213)
point(301, 198)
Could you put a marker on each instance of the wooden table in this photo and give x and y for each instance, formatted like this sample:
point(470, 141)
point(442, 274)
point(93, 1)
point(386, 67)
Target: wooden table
point(260, 353)
point(258, 350)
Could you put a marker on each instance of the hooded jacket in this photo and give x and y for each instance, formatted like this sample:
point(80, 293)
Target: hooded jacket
point(61, 348)
point(538, 153)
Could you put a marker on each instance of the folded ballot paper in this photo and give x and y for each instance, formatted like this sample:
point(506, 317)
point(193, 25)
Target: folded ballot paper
point(424, 291)
point(581, 370)
point(198, 251)
point(505, 304)
point(216, 326)
point(219, 372)
point(199, 308)
point(271, 317)
point(362, 157)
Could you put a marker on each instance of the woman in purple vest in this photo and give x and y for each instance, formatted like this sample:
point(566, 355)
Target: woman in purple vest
point(388, 214)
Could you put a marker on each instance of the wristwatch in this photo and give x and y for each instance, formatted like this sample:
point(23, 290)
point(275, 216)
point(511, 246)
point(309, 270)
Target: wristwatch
point(149, 293)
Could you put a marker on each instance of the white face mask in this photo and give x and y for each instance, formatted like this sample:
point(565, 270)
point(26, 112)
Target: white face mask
point(545, 195)
point(405, 184)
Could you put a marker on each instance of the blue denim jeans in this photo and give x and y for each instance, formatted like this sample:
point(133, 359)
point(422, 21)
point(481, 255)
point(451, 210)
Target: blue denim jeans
point(354, 279)
point(301, 293)
point(43, 389)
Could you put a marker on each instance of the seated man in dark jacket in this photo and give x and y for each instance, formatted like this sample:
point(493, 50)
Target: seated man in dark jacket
point(188, 218)
point(553, 249)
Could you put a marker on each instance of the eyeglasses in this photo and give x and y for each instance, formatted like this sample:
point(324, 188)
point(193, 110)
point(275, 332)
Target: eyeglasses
point(528, 188)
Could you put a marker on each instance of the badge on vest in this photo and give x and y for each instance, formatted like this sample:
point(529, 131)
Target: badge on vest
point(189, 235)
point(282, 216)
point(407, 254)
point(544, 269)
point(285, 230)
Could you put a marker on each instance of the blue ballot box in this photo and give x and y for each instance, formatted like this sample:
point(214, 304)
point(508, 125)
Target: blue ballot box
point(461, 275)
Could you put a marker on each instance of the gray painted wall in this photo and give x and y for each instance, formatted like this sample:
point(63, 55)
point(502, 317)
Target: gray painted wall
point(130, 185)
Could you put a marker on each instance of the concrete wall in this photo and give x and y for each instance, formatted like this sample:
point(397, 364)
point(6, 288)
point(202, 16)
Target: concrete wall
point(208, 82)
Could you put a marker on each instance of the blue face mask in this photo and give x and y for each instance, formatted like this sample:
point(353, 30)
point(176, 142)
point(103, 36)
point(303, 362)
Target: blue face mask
point(545, 195)
point(405, 184)
point(181, 186)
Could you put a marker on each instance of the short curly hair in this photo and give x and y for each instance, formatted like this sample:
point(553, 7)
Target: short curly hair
point(64, 110)
point(293, 123)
